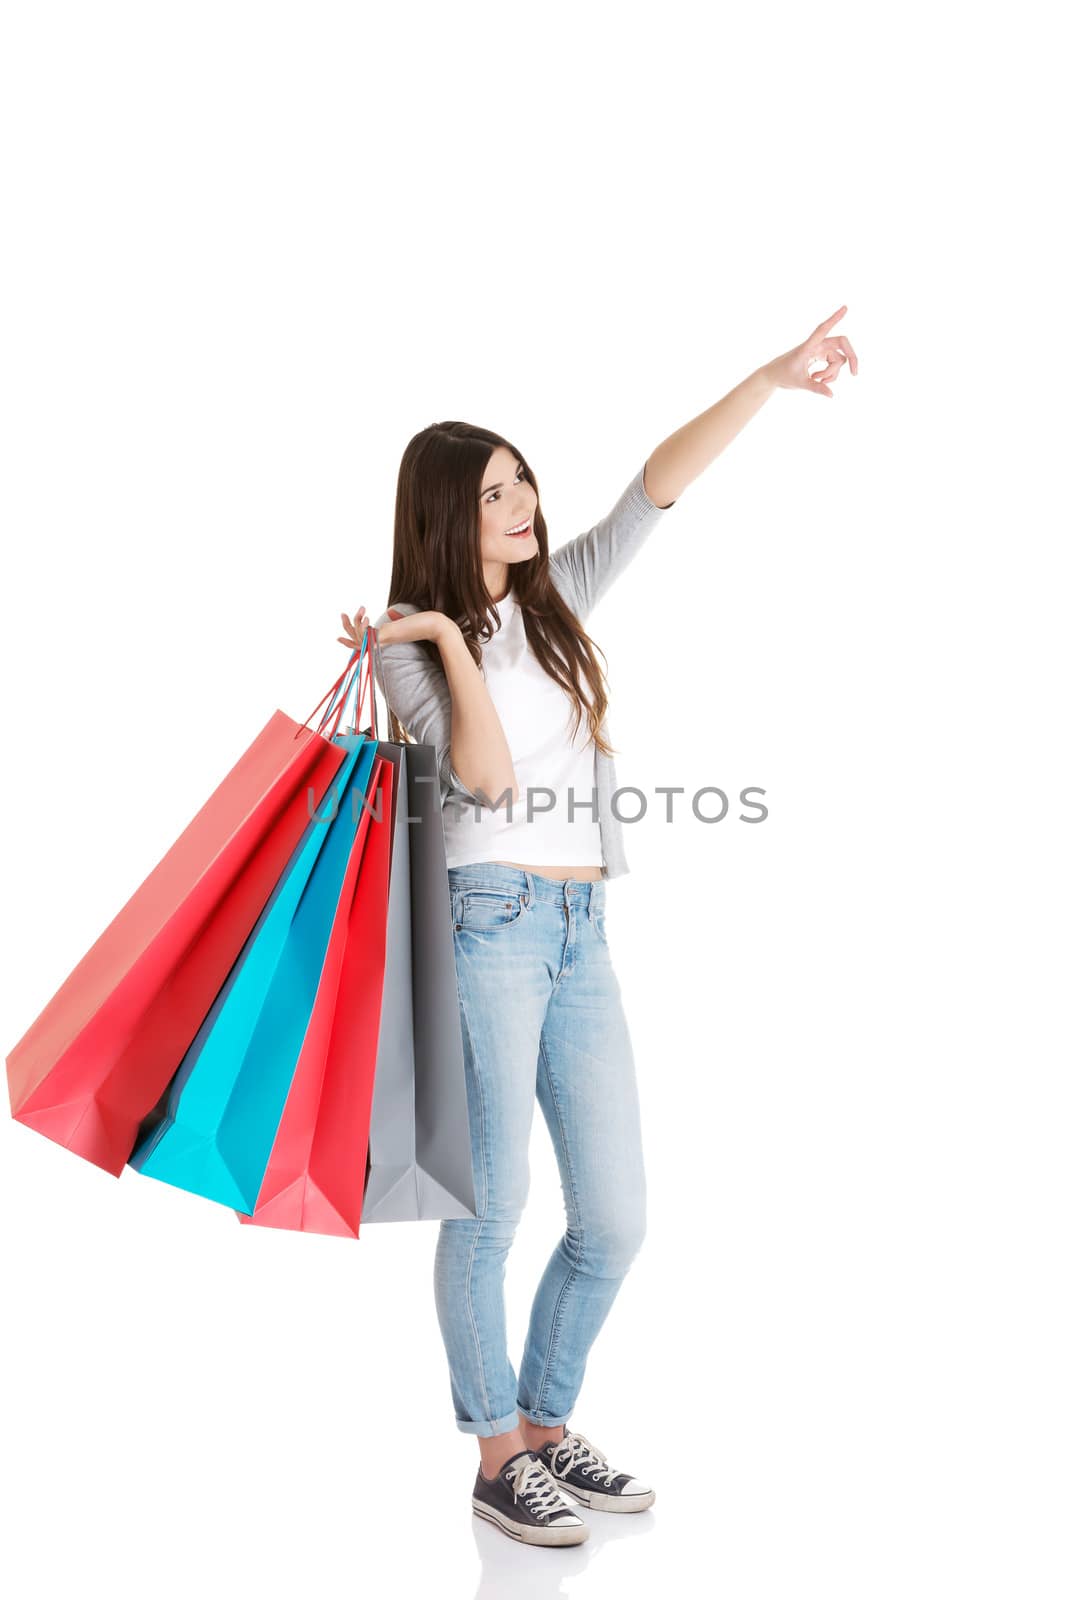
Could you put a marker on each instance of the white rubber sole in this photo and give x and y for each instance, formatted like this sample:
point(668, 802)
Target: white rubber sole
point(605, 1502)
point(526, 1533)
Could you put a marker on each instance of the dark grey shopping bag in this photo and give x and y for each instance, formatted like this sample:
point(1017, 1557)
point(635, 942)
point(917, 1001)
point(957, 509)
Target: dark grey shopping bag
point(419, 1151)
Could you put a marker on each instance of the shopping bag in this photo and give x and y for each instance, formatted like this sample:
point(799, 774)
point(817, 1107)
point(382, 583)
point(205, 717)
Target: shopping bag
point(213, 1137)
point(419, 1163)
point(94, 1063)
point(315, 1176)
point(393, 1119)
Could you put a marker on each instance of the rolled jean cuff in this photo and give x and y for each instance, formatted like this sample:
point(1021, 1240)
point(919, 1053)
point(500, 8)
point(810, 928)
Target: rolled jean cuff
point(544, 1421)
point(489, 1430)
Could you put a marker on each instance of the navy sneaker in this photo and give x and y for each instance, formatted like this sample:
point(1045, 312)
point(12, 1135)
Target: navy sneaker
point(582, 1470)
point(524, 1502)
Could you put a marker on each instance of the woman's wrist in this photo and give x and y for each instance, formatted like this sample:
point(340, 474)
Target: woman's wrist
point(447, 632)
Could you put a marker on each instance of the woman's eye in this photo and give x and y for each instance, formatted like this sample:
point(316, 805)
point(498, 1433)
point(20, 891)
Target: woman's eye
point(497, 493)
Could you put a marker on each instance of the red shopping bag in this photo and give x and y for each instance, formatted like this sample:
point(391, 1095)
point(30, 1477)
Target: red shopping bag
point(314, 1180)
point(100, 1055)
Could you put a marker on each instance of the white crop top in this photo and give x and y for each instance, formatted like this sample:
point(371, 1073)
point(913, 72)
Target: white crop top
point(557, 766)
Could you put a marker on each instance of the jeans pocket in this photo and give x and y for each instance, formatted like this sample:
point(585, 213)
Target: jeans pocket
point(486, 910)
point(597, 918)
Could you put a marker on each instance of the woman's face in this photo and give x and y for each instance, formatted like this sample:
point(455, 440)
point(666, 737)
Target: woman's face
point(507, 501)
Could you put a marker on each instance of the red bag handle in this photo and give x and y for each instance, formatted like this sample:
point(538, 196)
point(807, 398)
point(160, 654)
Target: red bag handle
point(362, 681)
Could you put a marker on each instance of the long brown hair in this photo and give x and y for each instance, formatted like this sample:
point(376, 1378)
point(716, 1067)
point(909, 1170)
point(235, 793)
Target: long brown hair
point(437, 564)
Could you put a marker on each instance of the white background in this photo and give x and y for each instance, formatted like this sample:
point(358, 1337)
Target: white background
point(248, 252)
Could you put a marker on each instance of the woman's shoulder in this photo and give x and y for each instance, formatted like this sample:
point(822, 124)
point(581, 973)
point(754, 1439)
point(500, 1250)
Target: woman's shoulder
point(397, 605)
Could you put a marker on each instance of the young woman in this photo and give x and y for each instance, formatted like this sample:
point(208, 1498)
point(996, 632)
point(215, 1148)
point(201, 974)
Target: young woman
point(483, 653)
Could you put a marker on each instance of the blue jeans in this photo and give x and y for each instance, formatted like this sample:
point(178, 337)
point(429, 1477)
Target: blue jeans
point(542, 1016)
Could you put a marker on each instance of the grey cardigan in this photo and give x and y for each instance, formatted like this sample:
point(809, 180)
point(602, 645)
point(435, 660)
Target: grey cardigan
point(415, 687)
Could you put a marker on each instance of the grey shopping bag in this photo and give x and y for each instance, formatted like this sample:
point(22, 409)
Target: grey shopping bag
point(419, 1150)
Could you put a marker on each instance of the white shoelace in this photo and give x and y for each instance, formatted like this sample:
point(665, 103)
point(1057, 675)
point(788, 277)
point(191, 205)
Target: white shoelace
point(532, 1481)
point(574, 1449)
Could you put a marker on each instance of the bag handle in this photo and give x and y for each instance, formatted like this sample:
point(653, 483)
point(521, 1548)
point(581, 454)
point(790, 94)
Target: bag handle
point(361, 681)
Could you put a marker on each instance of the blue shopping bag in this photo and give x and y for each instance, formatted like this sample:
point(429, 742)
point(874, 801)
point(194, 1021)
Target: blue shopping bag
point(214, 1134)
